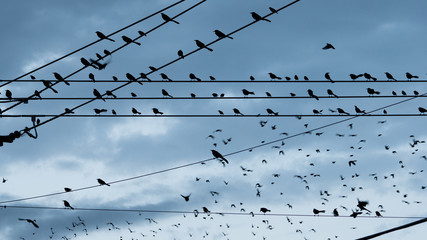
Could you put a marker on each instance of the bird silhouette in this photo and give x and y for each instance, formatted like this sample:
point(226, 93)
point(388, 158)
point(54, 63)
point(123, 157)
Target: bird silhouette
point(134, 111)
point(60, 78)
point(186, 198)
point(67, 204)
point(311, 94)
point(372, 91)
point(166, 94)
point(202, 45)
point(193, 77)
point(8, 94)
point(168, 19)
point(132, 78)
point(252, 78)
point(67, 189)
point(110, 93)
point(330, 93)
point(165, 77)
point(220, 34)
point(328, 46)
point(268, 94)
point(129, 41)
point(264, 210)
point(355, 76)
point(389, 76)
point(369, 77)
point(180, 54)
point(102, 36)
point(335, 212)
point(272, 10)
point(271, 112)
point(97, 94)
point(212, 78)
point(422, 110)
point(99, 111)
point(357, 109)
point(328, 77)
point(68, 111)
point(246, 92)
point(92, 77)
point(341, 111)
point(86, 63)
point(48, 84)
point(102, 182)
point(237, 112)
point(378, 214)
point(219, 156)
point(273, 76)
point(257, 17)
point(316, 212)
point(29, 221)
point(409, 76)
point(156, 111)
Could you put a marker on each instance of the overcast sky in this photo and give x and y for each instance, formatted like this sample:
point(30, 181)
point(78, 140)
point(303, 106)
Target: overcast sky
point(369, 37)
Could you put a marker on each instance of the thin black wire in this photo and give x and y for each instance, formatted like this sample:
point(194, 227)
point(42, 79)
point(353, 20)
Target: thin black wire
point(115, 50)
point(227, 81)
point(159, 68)
point(208, 115)
point(203, 213)
point(211, 159)
point(88, 45)
point(6, 100)
point(394, 229)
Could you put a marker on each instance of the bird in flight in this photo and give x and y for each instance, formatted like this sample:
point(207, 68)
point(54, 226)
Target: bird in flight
point(102, 36)
point(328, 46)
point(186, 198)
point(29, 221)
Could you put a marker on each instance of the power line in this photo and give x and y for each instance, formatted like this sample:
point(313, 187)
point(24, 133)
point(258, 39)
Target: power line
point(88, 45)
point(223, 81)
point(211, 159)
point(394, 229)
point(161, 67)
point(203, 213)
point(115, 50)
point(209, 115)
point(6, 100)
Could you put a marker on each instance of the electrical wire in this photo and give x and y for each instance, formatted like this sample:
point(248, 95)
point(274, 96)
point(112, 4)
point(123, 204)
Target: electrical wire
point(88, 45)
point(203, 213)
point(115, 50)
point(211, 159)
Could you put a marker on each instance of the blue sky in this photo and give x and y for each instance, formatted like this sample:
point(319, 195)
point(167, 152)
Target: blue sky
point(369, 36)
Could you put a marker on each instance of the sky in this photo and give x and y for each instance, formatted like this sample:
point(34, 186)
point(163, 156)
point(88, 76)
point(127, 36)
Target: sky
point(302, 159)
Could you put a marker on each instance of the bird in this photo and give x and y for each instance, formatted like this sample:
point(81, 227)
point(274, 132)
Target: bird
point(141, 33)
point(330, 93)
point(212, 78)
point(220, 34)
point(165, 77)
point(180, 54)
point(252, 78)
point(341, 111)
point(68, 111)
point(67, 204)
point(132, 78)
point(311, 94)
point(218, 155)
point(92, 77)
point(168, 19)
point(315, 111)
point(246, 92)
point(264, 210)
point(202, 45)
point(8, 94)
point(134, 111)
point(273, 76)
point(389, 76)
point(156, 111)
point(404, 93)
point(67, 189)
point(271, 112)
point(48, 84)
point(99, 111)
point(316, 212)
point(372, 91)
point(102, 182)
point(335, 212)
point(257, 17)
point(328, 46)
point(220, 112)
point(129, 41)
point(193, 77)
point(369, 77)
point(328, 77)
point(86, 63)
point(60, 78)
point(102, 36)
point(422, 110)
point(110, 93)
point(357, 109)
point(166, 94)
point(237, 112)
point(268, 94)
point(355, 76)
point(410, 76)
point(30, 221)
point(378, 214)
point(97, 94)
point(106, 52)
point(186, 198)
point(272, 10)
point(4, 180)
point(133, 94)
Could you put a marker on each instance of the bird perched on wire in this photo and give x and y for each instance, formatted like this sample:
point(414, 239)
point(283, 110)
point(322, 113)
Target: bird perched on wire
point(181, 54)
point(316, 212)
point(97, 94)
point(129, 41)
point(99, 111)
point(220, 34)
point(202, 45)
point(29, 221)
point(273, 76)
point(372, 91)
point(389, 76)
point(341, 111)
point(422, 110)
point(8, 94)
point(165, 77)
point(60, 78)
point(330, 93)
point(219, 156)
point(272, 10)
point(48, 84)
point(102, 182)
point(410, 76)
point(168, 19)
point(166, 94)
point(156, 111)
point(132, 78)
point(328, 46)
point(328, 77)
point(271, 112)
point(237, 112)
point(246, 92)
point(193, 77)
point(369, 77)
point(67, 204)
point(264, 210)
point(257, 17)
point(311, 94)
point(134, 111)
point(358, 110)
point(355, 76)
point(102, 36)
point(86, 63)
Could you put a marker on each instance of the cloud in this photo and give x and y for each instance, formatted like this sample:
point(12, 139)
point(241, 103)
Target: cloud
point(40, 59)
